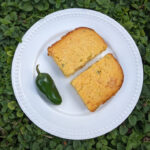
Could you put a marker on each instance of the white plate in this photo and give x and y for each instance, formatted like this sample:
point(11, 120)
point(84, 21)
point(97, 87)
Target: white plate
point(72, 120)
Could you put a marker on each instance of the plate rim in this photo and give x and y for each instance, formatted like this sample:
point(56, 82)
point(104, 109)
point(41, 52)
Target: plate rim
point(15, 70)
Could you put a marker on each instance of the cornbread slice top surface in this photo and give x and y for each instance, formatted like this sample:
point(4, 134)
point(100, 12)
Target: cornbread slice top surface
point(99, 82)
point(76, 48)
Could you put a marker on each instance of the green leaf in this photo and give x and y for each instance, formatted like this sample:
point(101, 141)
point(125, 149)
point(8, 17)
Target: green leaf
point(128, 25)
point(147, 128)
point(134, 140)
point(123, 130)
point(10, 53)
point(146, 109)
point(53, 144)
point(36, 1)
point(35, 146)
point(135, 6)
point(5, 117)
point(12, 105)
point(147, 69)
point(114, 142)
point(87, 3)
point(147, 6)
point(29, 127)
point(59, 147)
point(132, 120)
point(104, 142)
point(147, 146)
point(125, 139)
point(42, 6)
point(19, 113)
point(76, 144)
point(120, 146)
point(4, 106)
point(103, 2)
point(92, 5)
point(5, 20)
point(58, 3)
point(140, 116)
point(80, 3)
point(69, 147)
point(26, 6)
point(145, 91)
point(114, 134)
point(99, 145)
point(144, 40)
point(52, 1)
point(13, 16)
point(109, 137)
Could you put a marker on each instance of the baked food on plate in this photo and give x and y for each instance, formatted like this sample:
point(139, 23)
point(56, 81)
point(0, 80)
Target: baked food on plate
point(99, 82)
point(76, 48)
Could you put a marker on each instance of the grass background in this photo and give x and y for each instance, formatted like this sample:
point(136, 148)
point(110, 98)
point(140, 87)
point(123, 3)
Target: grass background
point(16, 131)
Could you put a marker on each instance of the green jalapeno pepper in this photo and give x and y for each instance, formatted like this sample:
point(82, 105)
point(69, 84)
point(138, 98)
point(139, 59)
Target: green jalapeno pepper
point(47, 86)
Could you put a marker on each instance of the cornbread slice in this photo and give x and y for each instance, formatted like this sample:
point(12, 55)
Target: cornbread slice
point(76, 48)
point(99, 82)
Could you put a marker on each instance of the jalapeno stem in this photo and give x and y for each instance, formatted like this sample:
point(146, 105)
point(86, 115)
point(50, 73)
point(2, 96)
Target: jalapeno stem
point(37, 69)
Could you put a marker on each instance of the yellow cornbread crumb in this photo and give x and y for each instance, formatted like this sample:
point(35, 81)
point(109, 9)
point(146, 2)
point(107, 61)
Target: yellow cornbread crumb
point(99, 82)
point(76, 48)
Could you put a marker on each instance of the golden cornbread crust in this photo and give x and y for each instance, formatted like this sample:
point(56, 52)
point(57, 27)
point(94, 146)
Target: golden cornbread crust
point(99, 82)
point(76, 48)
